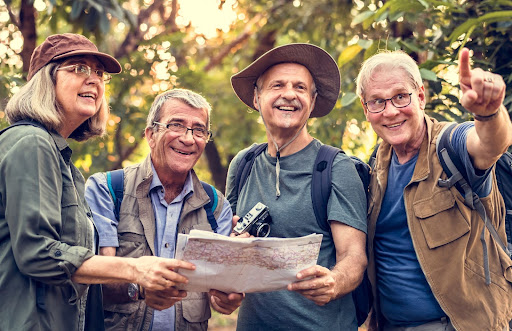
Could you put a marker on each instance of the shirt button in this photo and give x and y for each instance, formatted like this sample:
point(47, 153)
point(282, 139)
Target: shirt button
point(58, 253)
point(166, 245)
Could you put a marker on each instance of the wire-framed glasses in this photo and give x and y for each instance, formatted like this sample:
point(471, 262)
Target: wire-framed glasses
point(198, 132)
point(86, 71)
point(400, 100)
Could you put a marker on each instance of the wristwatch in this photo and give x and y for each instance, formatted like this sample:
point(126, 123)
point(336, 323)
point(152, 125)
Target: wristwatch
point(133, 291)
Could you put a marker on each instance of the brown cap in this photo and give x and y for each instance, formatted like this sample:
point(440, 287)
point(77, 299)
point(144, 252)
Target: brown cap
point(60, 46)
point(320, 64)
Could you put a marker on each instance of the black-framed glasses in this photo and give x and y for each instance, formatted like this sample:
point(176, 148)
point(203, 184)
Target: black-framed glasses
point(400, 100)
point(86, 71)
point(199, 132)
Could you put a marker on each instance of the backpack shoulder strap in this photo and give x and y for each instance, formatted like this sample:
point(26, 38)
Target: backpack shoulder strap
point(212, 205)
point(321, 183)
point(454, 169)
point(245, 165)
point(115, 183)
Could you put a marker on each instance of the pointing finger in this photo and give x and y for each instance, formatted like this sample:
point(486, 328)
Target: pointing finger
point(464, 67)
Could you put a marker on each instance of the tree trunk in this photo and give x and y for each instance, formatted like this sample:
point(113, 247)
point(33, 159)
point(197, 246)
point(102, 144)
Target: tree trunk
point(27, 26)
point(218, 171)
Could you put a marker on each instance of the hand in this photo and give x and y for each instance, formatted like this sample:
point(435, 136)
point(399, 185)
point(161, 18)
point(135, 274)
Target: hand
point(319, 289)
point(163, 299)
point(233, 234)
point(225, 303)
point(482, 91)
point(156, 273)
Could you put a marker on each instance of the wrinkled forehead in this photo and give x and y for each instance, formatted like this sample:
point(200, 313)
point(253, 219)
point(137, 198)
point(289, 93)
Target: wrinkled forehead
point(280, 70)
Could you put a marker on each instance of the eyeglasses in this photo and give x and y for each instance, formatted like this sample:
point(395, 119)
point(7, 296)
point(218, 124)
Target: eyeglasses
point(200, 133)
point(400, 100)
point(85, 70)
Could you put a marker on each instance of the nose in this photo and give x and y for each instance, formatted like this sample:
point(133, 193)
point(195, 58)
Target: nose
point(187, 138)
point(94, 79)
point(390, 109)
point(288, 92)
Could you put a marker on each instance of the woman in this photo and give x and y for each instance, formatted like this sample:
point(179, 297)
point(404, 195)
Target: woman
point(47, 236)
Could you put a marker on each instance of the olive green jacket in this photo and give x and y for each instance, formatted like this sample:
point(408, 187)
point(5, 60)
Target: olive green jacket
point(446, 237)
point(46, 232)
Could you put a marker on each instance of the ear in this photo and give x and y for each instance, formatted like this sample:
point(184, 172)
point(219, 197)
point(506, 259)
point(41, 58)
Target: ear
point(364, 109)
point(149, 134)
point(422, 97)
point(255, 99)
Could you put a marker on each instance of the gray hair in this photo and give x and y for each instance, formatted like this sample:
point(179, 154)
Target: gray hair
point(192, 99)
point(392, 61)
point(37, 101)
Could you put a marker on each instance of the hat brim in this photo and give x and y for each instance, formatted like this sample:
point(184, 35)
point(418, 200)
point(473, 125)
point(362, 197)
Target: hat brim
point(110, 64)
point(321, 65)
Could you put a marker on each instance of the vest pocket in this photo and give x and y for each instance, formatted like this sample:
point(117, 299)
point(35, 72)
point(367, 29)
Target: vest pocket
point(439, 218)
point(196, 307)
point(131, 245)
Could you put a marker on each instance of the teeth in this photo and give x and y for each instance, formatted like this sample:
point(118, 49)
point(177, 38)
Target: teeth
point(394, 125)
point(86, 95)
point(289, 108)
point(180, 152)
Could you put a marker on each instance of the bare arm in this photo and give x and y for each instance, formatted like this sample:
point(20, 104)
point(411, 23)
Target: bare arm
point(483, 94)
point(327, 285)
point(151, 272)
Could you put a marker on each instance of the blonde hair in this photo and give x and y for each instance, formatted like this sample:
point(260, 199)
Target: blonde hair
point(391, 61)
point(36, 101)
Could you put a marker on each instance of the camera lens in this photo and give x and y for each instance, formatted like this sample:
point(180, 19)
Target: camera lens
point(261, 229)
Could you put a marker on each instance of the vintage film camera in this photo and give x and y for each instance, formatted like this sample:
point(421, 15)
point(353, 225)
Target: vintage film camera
point(256, 222)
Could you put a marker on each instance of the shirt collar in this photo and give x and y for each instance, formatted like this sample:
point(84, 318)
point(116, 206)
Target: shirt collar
point(157, 184)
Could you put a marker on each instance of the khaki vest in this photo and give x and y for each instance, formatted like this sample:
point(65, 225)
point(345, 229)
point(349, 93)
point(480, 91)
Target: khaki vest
point(136, 232)
point(446, 237)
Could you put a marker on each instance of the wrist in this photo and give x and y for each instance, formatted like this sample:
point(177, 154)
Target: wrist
point(485, 118)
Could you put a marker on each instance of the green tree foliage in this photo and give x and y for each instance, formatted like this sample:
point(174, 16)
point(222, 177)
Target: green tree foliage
point(159, 50)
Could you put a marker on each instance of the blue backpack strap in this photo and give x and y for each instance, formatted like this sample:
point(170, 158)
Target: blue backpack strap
point(115, 183)
point(321, 183)
point(245, 165)
point(212, 205)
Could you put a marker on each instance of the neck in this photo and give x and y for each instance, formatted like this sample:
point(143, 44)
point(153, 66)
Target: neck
point(173, 184)
point(406, 152)
point(302, 140)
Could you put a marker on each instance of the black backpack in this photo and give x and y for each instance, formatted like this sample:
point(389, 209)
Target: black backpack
point(456, 172)
point(321, 184)
point(115, 183)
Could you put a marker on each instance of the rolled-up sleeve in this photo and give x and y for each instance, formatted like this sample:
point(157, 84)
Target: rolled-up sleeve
point(98, 197)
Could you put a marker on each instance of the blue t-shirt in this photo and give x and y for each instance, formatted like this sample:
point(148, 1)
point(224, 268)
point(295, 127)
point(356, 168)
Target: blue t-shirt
point(405, 295)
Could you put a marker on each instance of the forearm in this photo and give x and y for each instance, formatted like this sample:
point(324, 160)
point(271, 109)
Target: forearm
point(348, 273)
point(105, 270)
point(492, 138)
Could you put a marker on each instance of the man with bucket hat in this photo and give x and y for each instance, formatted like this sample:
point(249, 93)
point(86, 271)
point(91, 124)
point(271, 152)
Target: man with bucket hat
point(287, 86)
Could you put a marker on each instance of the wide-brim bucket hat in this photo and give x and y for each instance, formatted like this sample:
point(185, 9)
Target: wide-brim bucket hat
point(321, 65)
point(60, 46)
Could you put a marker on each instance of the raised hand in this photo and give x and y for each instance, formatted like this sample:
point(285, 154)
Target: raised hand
point(482, 91)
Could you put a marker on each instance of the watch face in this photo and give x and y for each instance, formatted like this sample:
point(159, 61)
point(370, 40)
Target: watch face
point(133, 291)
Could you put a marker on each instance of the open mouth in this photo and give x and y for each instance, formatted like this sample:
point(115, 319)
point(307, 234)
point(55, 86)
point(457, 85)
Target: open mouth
point(87, 95)
point(287, 108)
point(396, 125)
point(181, 152)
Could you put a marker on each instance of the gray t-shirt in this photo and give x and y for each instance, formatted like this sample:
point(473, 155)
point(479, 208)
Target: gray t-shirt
point(293, 216)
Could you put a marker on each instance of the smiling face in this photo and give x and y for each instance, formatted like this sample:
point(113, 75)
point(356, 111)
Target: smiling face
point(403, 128)
point(78, 96)
point(285, 97)
point(174, 154)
